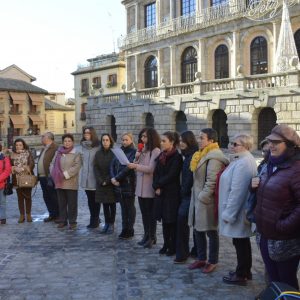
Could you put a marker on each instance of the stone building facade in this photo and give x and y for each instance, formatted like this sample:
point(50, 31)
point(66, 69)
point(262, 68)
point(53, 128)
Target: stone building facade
point(197, 63)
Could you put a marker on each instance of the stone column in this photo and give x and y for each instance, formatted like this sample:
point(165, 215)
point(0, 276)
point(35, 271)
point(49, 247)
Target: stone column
point(158, 12)
point(160, 72)
point(201, 58)
point(136, 69)
point(137, 23)
point(172, 9)
point(234, 54)
point(172, 64)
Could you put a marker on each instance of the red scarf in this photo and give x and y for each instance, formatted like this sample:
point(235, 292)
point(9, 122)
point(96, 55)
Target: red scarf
point(165, 155)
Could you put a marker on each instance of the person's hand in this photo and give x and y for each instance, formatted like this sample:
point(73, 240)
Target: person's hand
point(255, 182)
point(158, 192)
point(18, 169)
point(115, 182)
point(131, 166)
point(103, 183)
point(137, 155)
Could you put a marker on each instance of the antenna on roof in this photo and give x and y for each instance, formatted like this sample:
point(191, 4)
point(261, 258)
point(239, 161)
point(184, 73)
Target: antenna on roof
point(112, 30)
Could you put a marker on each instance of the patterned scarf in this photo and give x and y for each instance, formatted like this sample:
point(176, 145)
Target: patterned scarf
point(20, 158)
point(165, 155)
point(57, 173)
point(201, 153)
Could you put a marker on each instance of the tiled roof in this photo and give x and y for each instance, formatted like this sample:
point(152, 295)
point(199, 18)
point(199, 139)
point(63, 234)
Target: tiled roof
point(14, 85)
point(50, 105)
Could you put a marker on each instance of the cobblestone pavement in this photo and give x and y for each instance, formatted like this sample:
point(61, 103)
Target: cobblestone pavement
point(39, 261)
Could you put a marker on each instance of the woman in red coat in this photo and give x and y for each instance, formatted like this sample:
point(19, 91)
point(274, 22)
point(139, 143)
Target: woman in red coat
point(5, 170)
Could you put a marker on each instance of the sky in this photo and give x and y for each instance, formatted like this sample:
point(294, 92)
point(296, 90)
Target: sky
point(48, 39)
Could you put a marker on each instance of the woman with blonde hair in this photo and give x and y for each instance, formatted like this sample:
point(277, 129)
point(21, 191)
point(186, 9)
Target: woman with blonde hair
point(233, 194)
point(124, 180)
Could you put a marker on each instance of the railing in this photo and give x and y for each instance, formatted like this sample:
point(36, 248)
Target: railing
point(218, 85)
point(207, 17)
point(111, 98)
point(148, 93)
point(15, 112)
point(180, 89)
point(266, 81)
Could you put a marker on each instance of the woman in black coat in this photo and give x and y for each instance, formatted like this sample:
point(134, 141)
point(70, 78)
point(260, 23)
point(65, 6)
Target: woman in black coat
point(188, 146)
point(166, 183)
point(104, 187)
point(124, 180)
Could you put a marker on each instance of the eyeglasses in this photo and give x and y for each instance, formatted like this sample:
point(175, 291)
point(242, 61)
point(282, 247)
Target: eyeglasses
point(275, 142)
point(235, 144)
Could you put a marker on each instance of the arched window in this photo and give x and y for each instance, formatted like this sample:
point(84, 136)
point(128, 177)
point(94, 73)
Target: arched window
point(259, 56)
point(219, 123)
point(221, 62)
point(151, 72)
point(149, 120)
point(180, 121)
point(267, 119)
point(188, 65)
point(297, 41)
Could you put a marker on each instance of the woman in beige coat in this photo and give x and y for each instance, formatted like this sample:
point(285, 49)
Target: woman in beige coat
point(64, 170)
point(206, 164)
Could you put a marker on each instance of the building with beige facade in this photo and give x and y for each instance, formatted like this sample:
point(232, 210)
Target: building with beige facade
point(104, 74)
point(22, 110)
point(59, 119)
point(197, 63)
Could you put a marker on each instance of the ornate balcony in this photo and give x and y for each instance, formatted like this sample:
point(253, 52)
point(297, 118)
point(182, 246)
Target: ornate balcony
point(207, 17)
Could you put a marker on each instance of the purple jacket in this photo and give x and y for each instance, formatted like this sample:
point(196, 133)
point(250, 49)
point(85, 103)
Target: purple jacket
point(144, 174)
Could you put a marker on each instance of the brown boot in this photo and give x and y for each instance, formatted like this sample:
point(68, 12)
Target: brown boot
point(28, 218)
point(21, 219)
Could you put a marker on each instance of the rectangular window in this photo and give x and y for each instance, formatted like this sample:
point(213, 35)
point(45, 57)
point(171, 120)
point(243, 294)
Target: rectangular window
point(65, 121)
point(188, 7)
point(112, 80)
point(84, 87)
point(97, 82)
point(83, 107)
point(218, 2)
point(150, 14)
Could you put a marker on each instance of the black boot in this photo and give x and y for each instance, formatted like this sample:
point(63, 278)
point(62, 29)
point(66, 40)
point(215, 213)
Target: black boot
point(143, 240)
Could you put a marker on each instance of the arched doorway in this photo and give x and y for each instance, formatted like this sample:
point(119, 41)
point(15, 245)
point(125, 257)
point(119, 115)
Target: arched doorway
point(113, 127)
point(266, 121)
point(219, 123)
point(149, 120)
point(180, 122)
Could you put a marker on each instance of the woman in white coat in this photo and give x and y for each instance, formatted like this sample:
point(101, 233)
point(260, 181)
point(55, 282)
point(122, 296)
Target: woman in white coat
point(233, 193)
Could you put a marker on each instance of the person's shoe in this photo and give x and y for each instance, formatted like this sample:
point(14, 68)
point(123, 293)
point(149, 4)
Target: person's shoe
point(170, 252)
point(72, 226)
point(92, 226)
point(57, 220)
point(130, 233)
point(163, 250)
point(61, 225)
point(123, 235)
point(234, 279)
point(193, 253)
point(110, 229)
point(249, 276)
point(197, 264)
point(149, 243)
point(179, 261)
point(143, 240)
point(104, 228)
point(208, 268)
point(49, 219)
point(3, 221)
point(28, 218)
point(21, 219)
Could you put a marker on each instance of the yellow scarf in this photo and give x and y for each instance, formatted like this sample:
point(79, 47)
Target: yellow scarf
point(201, 153)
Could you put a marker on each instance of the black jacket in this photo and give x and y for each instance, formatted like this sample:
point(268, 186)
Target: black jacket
point(125, 176)
point(167, 178)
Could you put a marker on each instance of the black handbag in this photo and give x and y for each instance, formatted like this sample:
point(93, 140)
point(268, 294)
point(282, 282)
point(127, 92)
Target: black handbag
point(8, 187)
point(278, 290)
point(50, 182)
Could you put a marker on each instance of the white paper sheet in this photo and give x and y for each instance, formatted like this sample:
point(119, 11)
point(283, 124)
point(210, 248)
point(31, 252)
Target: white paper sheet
point(120, 155)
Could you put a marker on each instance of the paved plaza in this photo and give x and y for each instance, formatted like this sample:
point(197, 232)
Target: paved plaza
point(39, 261)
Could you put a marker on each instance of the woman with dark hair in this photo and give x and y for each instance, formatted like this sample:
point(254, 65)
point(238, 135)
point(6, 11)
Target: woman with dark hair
point(22, 163)
point(144, 165)
point(64, 170)
point(277, 211)
point(188, 146)
point(104, 187)
point(205, 164)
point(124, 180)
point(166, 183)
point(89, 147)
point(5, 170)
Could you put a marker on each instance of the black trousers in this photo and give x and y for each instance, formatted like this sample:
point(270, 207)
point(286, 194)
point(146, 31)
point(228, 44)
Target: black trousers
point(169, 235)
point(109, 212)
point(148, 217)
point(244, 256)
point(68, 205)
point(182, 237)
point(94, 207)
point(128, 212)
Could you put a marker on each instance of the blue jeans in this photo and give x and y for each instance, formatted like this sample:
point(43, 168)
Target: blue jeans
point(2, 205)
point(213, 240)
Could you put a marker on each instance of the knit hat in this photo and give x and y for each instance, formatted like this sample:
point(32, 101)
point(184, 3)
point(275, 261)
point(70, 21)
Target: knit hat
point(285, 133)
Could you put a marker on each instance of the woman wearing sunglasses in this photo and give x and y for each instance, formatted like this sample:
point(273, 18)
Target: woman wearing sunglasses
point(233, 194)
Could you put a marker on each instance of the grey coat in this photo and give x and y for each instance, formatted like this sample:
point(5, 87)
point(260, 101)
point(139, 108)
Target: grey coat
point(202, 206)
point(87, 175)
point(233, 194)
